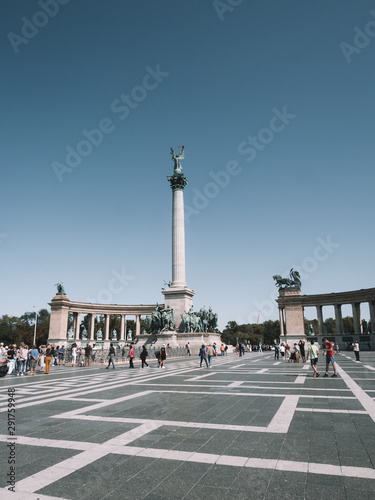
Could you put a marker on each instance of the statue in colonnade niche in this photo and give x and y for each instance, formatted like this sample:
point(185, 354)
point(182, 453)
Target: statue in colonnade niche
point(99, 335)
point(364, 326)
point(311, 329)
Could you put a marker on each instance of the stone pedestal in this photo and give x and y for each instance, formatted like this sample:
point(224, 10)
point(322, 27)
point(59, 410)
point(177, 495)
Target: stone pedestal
point(290, 305)
point(58, 324)
point(180, 300)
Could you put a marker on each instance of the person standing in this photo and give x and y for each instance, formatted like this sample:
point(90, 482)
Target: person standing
point(131, 357)
point(111, 356)
point(42, 354)
point(162, 356)
point(34, 356)
point(330, 358)
point(143, 356)
point(210, 354)
point(22, 359)
point(277, 351)
point(302, 350)
point(88, 350)
point(11, 356)
point(356, 350)
point(203, 355)
point(61, 355)
point(282, 351)
point(47, 359)
point(74, 355)
point(187, 349)
point(314, 353)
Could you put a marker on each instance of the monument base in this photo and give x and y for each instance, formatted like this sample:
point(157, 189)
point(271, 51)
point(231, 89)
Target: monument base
point(180, 300)
point(175, 339)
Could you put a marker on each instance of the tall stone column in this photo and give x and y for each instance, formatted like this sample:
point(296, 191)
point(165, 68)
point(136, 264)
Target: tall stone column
point(58, 323)
point(281, 315)
point(319, 311)
point(92, 326)
point(356, 318)
point(138, 324)
point(338, 316)
point(106, 335)
point(371, 306)
point(78, 326)
point(178, 296)
point(122, 327)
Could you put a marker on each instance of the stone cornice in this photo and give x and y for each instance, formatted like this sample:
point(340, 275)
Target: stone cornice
point(61, 301)
point(328, 299)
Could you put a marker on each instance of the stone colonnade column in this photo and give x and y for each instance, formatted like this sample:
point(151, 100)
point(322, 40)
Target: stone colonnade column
point(281, 315)
point(338, 316)
point(122, 327)
point(319, 311)
point(371, 306)
point(106, 336)
point(357, 317)
point(92, 326)
point(138, 324)
point(77, 329)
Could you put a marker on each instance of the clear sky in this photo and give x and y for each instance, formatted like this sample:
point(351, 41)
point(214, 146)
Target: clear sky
point(274, 103)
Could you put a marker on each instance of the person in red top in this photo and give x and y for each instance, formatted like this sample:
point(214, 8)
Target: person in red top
point(330, 358)
point(131, 357)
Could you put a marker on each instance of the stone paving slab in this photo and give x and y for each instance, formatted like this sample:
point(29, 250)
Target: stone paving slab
point(249, 427)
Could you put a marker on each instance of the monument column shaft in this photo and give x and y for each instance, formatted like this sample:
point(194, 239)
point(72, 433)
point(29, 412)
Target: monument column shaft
point(178, 239)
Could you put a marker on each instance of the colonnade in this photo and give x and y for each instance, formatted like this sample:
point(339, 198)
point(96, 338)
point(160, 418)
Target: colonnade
point(292, 305)
point(91, 338)
point(61, 306)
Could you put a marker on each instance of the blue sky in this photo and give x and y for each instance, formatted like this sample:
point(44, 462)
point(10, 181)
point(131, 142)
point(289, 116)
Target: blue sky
point(277, 124)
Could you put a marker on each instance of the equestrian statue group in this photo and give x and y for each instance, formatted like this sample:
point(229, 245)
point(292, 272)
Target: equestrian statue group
point(293, 280)
point(162, 320)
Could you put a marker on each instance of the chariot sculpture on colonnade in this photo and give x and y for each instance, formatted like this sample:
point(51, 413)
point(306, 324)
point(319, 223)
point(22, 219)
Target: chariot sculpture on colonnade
point(293, 280)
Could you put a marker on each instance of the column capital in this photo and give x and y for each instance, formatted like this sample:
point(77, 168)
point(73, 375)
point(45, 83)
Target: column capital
point(177, 180)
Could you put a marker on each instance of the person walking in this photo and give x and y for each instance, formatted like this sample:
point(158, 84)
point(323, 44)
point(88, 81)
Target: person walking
point(188, 349)
point(143, 356)
point(330, 358)
point(313, 352)
point(111, 356)
point(162, 356)
point(301, 344)
point(282, 351)
point(356, 350)
point(210, 353)
point(203, 355)
point(131, 357)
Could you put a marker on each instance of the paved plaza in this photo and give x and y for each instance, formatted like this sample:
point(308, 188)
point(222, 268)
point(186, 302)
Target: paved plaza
point(249, 427)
